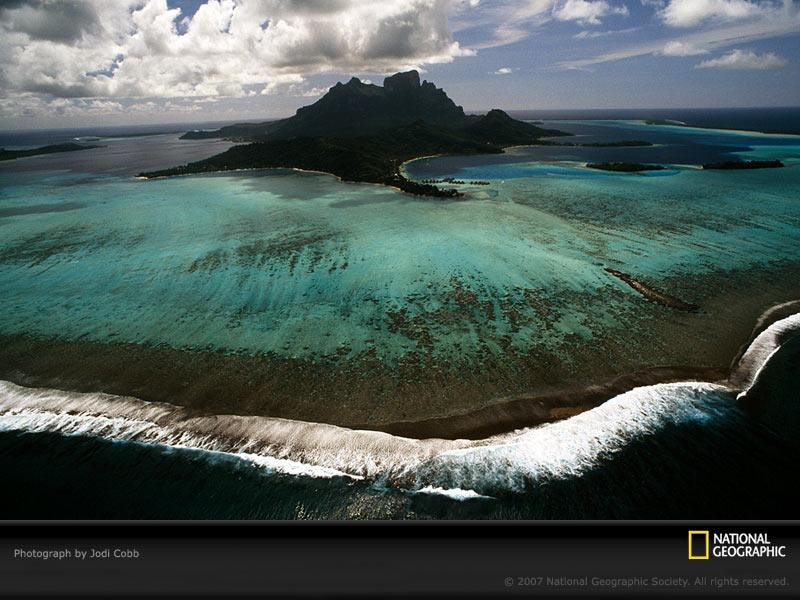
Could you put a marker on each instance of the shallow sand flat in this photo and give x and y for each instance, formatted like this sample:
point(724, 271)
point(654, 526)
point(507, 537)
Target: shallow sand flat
point(427, 398)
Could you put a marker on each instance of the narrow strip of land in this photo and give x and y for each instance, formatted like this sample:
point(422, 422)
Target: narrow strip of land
point(51, 149)
point(652, 294)
point(736, 165)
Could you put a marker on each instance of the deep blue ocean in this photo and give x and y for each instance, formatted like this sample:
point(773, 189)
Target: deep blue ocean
point(33, 138)
point(785, 119)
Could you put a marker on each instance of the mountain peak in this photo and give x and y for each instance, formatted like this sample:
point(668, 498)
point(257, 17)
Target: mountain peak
point(496, 113)
point(357, 108)
point(409, 80)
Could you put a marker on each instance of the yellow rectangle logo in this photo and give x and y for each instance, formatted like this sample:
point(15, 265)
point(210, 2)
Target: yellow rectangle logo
point(694, 535)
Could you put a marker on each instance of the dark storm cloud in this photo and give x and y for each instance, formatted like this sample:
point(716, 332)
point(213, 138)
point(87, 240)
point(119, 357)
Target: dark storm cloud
point(62, 21)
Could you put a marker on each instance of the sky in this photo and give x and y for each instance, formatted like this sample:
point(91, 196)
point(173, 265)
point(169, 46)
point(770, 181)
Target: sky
point(71, 63)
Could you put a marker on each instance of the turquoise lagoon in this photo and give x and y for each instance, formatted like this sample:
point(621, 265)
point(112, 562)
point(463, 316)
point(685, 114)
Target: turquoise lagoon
point(302, 266)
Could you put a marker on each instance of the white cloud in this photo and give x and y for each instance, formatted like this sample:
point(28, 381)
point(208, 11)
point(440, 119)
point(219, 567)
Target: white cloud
point(503, 71)
point(586, 12)
point(744, 59)
point(313, 92)
point(35, 106)
point(587, 34)
point(774, 20)
point(690, 13)
point(511, 21)
point(679, 48)
point(144, 49)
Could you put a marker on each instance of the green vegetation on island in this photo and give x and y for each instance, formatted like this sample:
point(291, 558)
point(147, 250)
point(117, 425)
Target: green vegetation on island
point(744, 164)
point(623, 167)
point(455, 181)
point(51, 149)
point(363, 132)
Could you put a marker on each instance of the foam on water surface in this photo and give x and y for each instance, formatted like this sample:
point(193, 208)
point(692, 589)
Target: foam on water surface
point(461, 469)
point(657, 420)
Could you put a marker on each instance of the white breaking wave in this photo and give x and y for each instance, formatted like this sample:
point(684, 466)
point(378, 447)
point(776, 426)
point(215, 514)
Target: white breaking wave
point(574, 446)
point(453, 493)
point(121, 429)
point(762, 348)
point(325, 449)
point(291, 467)
point(460, 469)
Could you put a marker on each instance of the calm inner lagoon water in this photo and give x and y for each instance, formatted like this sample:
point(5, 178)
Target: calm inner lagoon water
point(439, 306)
point(301, 265)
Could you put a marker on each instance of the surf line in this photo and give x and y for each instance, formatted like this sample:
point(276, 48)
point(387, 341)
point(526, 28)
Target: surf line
point(652, 294)
point(499, 463)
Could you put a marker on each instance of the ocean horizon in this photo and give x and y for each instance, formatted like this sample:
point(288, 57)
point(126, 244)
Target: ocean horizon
point(770, 119)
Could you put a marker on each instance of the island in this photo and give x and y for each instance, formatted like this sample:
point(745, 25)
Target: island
point(744, 164)
point(672, 122)
point(620, 144)
point(623, 167)
point(652, 294)
point(51, 149)
point(456, 181)
point(362, 132)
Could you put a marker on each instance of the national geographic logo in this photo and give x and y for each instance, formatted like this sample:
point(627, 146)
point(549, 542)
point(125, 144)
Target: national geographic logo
point(704, 545)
